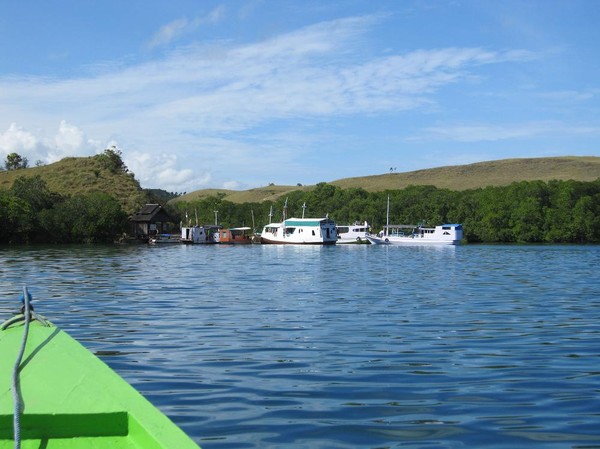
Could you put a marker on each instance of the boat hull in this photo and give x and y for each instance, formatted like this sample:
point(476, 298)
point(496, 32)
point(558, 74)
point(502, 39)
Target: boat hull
point(73, 399)
point(447, 234)
point(408, 241)
point(267, 241)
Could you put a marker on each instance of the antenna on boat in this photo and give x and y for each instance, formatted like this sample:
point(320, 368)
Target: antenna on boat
point(216, 217)
point(271, 214)
point(284, 209)
point(303, 209)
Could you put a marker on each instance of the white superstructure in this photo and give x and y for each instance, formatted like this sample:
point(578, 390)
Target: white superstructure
point(354, 233)
point(446, 234)
point(302, 231)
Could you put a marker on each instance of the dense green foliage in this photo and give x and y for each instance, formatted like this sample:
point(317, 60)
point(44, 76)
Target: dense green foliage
point(30, 213)
point(523, 212)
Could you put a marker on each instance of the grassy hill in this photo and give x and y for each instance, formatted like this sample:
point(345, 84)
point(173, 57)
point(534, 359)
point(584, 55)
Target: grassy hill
point(257, 195)
point(75, 175)
point(456, 177)
point(80, 175)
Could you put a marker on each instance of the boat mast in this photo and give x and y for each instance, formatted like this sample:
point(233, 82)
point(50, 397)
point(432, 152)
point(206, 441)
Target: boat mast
point(303, 209)
point(387, 220)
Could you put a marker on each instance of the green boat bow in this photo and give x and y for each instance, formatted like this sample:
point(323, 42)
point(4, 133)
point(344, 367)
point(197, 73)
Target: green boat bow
point(72, 399)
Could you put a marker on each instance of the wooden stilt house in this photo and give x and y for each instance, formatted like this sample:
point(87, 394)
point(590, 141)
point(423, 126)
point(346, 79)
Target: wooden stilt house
point(150, 221)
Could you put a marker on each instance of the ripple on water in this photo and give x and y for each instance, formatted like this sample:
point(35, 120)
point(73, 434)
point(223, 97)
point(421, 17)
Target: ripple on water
point(338, 347)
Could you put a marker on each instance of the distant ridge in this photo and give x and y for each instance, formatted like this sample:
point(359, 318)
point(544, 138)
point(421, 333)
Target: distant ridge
point(455, 177)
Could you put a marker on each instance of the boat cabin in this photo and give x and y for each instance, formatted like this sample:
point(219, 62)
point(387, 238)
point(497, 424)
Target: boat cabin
point(236, 235)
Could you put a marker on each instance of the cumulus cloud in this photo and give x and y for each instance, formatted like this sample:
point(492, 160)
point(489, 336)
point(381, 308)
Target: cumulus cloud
point(17, 140)
point(161, 170)
point(68, 140)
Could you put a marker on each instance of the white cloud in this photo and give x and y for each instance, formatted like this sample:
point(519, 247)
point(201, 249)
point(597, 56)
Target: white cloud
point(487, 132)
point(16, 140)
point(202, 103)
point(179, 27)
point(68, 141)
point(160, 171)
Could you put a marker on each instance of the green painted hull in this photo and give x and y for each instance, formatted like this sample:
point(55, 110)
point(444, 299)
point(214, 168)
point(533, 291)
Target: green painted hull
point(74, 400)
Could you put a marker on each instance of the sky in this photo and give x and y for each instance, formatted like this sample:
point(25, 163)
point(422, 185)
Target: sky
point(244, 93)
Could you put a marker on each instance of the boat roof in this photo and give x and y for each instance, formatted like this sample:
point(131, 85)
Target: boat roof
point(243, 228)
point(403, 226)
point(307, 221)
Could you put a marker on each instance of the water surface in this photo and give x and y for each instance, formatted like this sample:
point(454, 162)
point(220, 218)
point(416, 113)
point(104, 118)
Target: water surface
point(338, 347)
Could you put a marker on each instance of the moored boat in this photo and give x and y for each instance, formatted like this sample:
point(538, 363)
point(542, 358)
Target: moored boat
point(300, 231)
point(160, 239)
point(446, 234)
point(200, 234)
point(354, 233)
point(65, 397)
point(236, 235)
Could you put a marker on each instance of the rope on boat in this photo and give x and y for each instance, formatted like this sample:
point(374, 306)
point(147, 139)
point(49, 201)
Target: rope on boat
point(15, 375)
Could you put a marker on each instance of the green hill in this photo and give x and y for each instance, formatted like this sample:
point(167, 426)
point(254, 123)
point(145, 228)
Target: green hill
point(80, 175)
point(76, 175)
point(456, 177)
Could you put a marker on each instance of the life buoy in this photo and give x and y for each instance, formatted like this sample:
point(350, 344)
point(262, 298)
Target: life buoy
point(387, 240)
point(358, 239)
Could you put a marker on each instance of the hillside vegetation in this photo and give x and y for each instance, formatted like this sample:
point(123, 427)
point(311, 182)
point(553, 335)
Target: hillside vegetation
point(457, 178)
point(82, 175)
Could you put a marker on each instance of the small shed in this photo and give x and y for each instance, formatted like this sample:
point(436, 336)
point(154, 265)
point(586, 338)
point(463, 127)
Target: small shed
point(151, 220)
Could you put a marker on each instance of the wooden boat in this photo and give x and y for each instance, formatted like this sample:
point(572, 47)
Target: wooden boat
point(236, 235)
point(69, 398)
point(161, 239)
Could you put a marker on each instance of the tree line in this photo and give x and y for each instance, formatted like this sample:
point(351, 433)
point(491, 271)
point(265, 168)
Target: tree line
point(523, 212)
point(31, 213)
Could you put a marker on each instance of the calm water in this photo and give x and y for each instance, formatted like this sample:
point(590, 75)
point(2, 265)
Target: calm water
point(339, 347)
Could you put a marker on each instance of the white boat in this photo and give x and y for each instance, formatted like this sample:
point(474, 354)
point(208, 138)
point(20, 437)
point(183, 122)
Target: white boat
point(354, 233)
point(301, 231)
point(200, 234)
point(446, 234)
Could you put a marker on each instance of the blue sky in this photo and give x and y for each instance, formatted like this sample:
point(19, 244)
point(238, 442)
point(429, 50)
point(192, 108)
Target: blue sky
point(240, 94)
